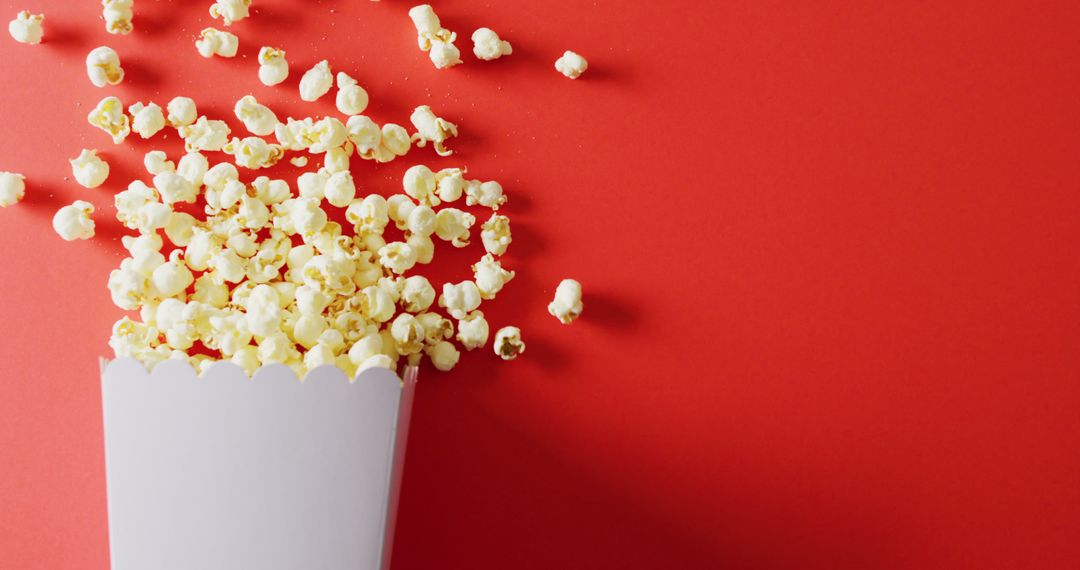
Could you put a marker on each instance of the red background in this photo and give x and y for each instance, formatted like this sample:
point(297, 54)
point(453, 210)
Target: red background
point(829, 252)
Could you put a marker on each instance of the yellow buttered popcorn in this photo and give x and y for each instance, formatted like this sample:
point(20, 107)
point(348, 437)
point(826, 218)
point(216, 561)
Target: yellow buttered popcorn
point(109, 116)
point(118, 16)
point(103, 67)
point(273, 67)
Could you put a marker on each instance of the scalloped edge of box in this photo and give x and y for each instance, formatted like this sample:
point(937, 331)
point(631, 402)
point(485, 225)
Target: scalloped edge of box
point(223, 370)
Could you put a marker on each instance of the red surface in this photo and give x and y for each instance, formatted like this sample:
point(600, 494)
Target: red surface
point(829, 253)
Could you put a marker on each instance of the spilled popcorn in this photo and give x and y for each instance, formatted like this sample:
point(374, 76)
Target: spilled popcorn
point(228, 264)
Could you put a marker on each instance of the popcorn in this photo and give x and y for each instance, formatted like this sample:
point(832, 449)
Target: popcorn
point(27, 28)
point(103, 67)
point(182, 112)
point(273, 68)
point(417, 294)
point(473, 330)
point(253, 152)
point(508, 343)
point(146, 120)
point(408, 334)
point(337, 158)
point(230, 10)
point(193, 167)
point(118, 15)
point(109, 116)
point(398, 257)
point(376, 361)
point(488, 46)
point(444, 55)
point(567, 304)
point(490, 276)
point(73, 222)
point(257, 118)
point(157, 162)
point(340, 189)
point(571, 65)
point(453, 225)
point(316, 81)
point(430, 128)
point(351, 98)
point(299, 161)
point(419, 183)
point(138, 208)
point(205, 134)
point(444, 356)
point(433, 38)
point(421, 221)
point(213, 42)
point(488, 194)
point(12, 188)
point(495, 233)
point(460, 299)
point(450, 184)
point(89, 170)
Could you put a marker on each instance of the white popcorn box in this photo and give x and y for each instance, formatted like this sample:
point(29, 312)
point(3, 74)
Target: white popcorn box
point(223, 472)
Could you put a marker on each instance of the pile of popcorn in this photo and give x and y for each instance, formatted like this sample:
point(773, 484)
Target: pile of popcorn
point(262, 275)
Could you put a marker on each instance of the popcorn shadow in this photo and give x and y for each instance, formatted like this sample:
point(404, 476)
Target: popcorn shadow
point(138, 75)
point(545, 354)
point(604, 309)
point(543, 496)
point(64, 37)
point(527, 242)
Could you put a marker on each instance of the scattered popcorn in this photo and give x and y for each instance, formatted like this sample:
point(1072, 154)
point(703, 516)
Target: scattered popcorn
point(182, 112)
point(316, 81)
point(118, 15)
point(254, 152)
point(260, 271)
point(157, 162)
point(433, 38)
point(453, 225)
point(146, 120)
point(103, 67)
point(508, 343)
point(257, 118)
point(495, 233)
point(444, 356)
point(89, 170)
point(444, 55)
point(488, 194)
point(12, 188)
point(213, 42)
point(571, 65)
point(430, 128)
point(230, 10)
point(351, 98)
point(109, 116)
point(273, 68)
point(460, 299)
point(488, 46)
point(567, 304)
point(473, 330)
point(490, 276)
point(73, 222)
point(27, 28)
point(205, 134)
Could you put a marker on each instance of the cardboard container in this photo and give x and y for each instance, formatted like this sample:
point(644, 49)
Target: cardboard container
point(223, 472)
